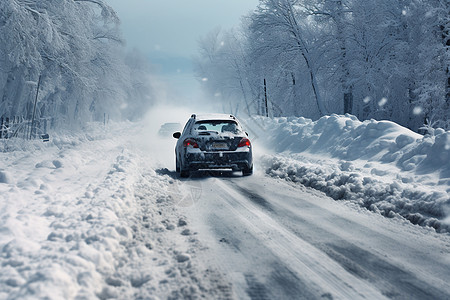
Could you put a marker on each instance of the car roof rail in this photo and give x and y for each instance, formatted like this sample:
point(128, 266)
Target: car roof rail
point(193, 116)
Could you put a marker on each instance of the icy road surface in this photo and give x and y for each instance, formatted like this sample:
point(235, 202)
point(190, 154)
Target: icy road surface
point(279, 241)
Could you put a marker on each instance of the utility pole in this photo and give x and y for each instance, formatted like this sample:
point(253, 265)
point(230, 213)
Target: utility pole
point(265, 98)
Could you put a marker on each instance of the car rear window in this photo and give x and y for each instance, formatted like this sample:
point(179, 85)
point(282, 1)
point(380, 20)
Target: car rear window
point(218, 126)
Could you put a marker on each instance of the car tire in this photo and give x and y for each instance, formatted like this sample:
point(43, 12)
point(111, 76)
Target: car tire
point(184, 173)
point(247, 171)
point(177, 167)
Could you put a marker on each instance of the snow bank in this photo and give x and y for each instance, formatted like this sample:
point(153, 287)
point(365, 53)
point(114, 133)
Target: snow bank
point(87, 217)
point(378, 164)
point(64, 138)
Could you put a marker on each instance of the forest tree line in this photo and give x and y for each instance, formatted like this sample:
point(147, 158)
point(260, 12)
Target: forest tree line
point(384, 59)
point(64, 60)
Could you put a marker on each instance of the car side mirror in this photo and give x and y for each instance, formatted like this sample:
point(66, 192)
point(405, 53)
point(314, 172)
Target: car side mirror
point(246, 133)
point(177, 135)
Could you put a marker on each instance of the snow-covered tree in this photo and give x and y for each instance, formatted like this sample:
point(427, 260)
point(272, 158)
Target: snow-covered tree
point(74, 47)
point(432, 23)
point(386, 59)
point(333, 18)
point(226, 71)
point(277, 27)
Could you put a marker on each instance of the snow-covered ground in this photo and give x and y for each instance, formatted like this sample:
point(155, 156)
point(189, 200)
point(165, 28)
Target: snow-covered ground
point(277, 240)
point(89, 216)
point(102, 214)
point(376, 164)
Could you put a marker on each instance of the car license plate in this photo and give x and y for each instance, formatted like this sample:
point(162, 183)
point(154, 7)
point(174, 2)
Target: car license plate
point(219, 146)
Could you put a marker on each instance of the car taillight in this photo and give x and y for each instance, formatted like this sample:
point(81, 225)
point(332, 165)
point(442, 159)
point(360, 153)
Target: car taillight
point(244, 143)
point(190, 142)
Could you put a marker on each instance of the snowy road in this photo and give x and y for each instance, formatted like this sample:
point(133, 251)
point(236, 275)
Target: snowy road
point(279, 241)
point(104, 215)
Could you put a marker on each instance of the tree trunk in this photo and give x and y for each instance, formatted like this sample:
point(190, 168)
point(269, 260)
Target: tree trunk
point(348, 102)
point(347, 88)
point(446, 39)
point(305, 54)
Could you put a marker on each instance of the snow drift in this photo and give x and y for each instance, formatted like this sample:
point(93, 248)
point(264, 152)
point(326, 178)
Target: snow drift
point(379, 165)
point(89, 216)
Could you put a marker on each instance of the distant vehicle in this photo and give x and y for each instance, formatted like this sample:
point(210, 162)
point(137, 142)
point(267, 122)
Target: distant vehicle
point(213, 141)
point(167, 129)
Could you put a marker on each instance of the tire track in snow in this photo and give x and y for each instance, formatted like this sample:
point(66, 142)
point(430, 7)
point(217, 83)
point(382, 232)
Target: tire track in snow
point(391, 279)
point(257, 273)
point(316, 269)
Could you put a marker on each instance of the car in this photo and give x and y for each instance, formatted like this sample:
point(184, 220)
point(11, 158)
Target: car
point(167, 129)
point(213, 141)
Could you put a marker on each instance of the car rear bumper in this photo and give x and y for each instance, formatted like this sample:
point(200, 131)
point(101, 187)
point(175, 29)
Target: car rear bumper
point(219, 160)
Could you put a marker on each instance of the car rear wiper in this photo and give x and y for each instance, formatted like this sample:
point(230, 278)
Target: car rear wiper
point(207, 132)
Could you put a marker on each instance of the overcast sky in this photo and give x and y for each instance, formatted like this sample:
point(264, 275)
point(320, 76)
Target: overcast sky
point(167, 32)
point(173, 27)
